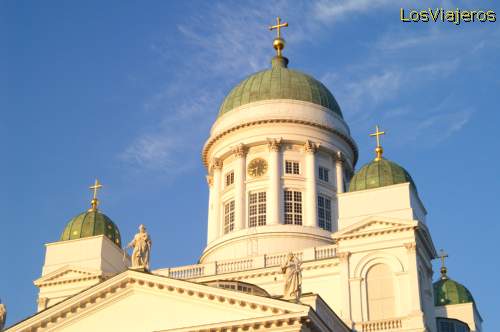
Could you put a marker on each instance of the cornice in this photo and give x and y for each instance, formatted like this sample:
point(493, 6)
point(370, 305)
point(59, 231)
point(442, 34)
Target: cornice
point(116, 286)
point(214, 139)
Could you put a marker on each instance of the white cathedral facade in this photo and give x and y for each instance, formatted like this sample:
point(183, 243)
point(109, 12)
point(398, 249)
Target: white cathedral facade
point(282, 179)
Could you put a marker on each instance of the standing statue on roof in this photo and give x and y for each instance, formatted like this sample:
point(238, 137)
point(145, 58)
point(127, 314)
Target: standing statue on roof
point(3, 315)
point(293, 277)
point(142, 249)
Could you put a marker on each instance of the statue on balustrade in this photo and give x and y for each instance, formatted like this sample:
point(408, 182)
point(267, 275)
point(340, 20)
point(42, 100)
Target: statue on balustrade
point(142, 249)
point(291, 269)
point(3, 315)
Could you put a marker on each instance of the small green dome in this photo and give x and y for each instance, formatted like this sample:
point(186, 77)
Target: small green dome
point(279, 82)
point(379, 173)
point(447, 291)
point(91, 223)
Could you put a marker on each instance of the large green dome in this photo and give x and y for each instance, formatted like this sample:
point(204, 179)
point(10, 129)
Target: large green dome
point(279, 82)
point(447, 291)
point(91, 223)
point(379, 173)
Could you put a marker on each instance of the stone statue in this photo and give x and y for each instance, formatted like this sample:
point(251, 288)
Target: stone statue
point(3, 315)
point(142, 249)
point(293, 277)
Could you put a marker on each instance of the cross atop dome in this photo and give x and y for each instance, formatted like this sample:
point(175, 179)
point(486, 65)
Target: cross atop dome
point(378, 150)
point(443, 255)
point(278, 42)
point(95, 202)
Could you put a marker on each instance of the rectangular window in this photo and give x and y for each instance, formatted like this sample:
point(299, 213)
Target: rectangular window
point(292, 167)
point(293, 207)
point(257, 209)
point(229, 178)
point(228, 217)
point(323, 173)
point(325, 213)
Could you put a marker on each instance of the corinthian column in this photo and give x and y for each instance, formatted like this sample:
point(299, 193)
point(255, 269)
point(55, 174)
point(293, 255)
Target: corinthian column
point(214, 219)
point(311, 203)
point(240, 152)
point(274, 199)
point(339, 169)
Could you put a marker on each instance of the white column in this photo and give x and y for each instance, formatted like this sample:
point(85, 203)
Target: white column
point(239, 187)
point(274, 193)
point(339, 168)
point(210, 226)
point(214, 221)
point(311, 200)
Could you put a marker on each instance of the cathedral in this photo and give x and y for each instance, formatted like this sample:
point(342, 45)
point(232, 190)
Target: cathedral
point(298, 237)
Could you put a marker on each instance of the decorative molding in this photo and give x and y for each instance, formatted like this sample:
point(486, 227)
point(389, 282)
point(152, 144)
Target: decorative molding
point(274, 144)
point(346, 138)
point(93, 296)
point(239, 150)
point(210, 180)
point(216, 164)
point(310, 146)
point(339, 157)
point(42, 303)
point(411, 247)
point(344, 256)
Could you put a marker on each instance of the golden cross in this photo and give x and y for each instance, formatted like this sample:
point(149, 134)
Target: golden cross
point(96, 187)
point(377, 134)
point(442, 255)
point(278, 26)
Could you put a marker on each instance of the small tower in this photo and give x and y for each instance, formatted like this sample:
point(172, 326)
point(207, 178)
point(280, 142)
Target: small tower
point(454, 303)
point(88, 252)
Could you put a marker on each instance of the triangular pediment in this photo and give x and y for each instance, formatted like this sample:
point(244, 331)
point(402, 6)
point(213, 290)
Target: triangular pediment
point(137, 301)
point(374, 225)
point(66, 274)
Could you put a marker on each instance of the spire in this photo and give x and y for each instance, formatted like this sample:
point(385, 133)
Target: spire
point(444, 270)
point(279, 43)
point(378, 150)
point(95, 202)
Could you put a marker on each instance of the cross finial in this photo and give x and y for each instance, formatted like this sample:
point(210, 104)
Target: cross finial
point(443, 255)
point(278, 43)
point(378, 149)
point(95, 202)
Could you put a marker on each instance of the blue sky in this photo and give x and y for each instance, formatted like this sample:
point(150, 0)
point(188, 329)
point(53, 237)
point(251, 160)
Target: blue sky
point(126, 91)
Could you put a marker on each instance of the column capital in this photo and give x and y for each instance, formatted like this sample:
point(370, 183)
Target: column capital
point(274, 144)
point(411, 246)
point(239, 150)
point(210, 180)
point(311, 146)
point(216, 163)
point(339, 157)
point(344, 256)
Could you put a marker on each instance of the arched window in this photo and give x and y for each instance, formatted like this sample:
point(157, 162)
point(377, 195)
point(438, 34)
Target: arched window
point(380, 292)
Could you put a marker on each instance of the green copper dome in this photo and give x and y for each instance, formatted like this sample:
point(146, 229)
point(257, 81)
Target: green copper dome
point(279, 82)
point(447, 291)
point(379, 173)
point(91, 223)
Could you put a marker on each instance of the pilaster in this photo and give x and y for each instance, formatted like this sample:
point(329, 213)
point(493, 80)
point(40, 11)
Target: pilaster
point(339, 171)
point(310, 204)
point(274, 194)
point(240, 152)
point(215, 222)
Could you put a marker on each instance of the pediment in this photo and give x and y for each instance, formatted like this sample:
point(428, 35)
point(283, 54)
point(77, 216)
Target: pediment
point(137, 301)
point(374, 225)
point(66, 274)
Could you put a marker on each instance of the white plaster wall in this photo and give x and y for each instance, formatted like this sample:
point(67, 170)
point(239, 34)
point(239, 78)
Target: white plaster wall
point(396, 201)
point(96, 252)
